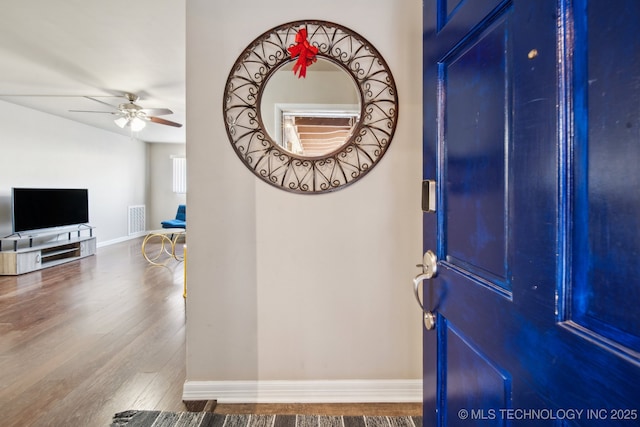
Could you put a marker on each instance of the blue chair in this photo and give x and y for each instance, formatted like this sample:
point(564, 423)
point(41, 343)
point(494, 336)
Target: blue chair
point(180, 220)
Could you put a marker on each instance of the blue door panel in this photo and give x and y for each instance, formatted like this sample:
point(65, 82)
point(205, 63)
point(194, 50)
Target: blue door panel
point(460, 16)
point(532, 133)
point(471, 380)
point(473, 137)
point(451, 6)
point(607, 247)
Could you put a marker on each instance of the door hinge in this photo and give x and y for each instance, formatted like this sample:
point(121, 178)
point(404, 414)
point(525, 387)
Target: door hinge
point(429, 196)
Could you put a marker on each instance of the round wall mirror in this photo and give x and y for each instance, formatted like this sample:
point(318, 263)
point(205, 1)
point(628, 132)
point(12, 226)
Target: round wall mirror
point(310, 107)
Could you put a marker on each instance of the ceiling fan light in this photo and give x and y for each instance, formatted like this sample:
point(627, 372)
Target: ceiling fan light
point(137, 124)
point(121, 122)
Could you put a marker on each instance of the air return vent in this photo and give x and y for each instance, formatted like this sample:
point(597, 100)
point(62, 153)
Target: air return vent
point(136, 219)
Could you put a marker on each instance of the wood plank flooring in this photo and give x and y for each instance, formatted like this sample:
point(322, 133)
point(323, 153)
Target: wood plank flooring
point(84, 340)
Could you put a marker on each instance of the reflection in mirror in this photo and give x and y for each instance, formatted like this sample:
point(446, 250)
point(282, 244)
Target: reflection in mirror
point(316, 132)
point(313, 116)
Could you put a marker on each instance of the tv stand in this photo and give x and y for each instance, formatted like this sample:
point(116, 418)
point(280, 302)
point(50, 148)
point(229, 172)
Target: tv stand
point(27, 257)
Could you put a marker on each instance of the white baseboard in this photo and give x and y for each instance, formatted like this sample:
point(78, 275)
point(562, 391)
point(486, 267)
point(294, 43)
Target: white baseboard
point(331, 391)
point(121, 239)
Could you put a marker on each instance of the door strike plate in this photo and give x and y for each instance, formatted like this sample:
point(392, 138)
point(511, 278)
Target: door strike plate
point(429, 196)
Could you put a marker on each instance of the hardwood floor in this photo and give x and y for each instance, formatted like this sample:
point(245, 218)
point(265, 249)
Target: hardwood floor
point(84, 340)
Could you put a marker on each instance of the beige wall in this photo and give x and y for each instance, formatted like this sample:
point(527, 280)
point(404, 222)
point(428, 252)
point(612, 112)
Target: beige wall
point(163, 202)
point(324, 294)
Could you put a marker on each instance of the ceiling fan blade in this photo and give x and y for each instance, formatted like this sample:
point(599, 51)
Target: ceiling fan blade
point(156, 111)
point(102, 102)
point(87, 111)
point(48, 95)
point(164, 122)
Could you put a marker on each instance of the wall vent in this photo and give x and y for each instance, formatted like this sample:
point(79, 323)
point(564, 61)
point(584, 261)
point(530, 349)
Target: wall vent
point(137, 219)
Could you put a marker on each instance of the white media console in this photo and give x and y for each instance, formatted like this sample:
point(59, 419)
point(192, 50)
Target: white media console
point(19, 254)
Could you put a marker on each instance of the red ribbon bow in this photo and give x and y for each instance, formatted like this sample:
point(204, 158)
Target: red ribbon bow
point(304, 51)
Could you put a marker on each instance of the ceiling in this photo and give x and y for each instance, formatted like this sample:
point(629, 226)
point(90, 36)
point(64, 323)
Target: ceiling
point(55, 53)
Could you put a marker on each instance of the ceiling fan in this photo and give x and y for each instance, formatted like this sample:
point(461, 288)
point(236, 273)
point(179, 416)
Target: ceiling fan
point(132, 115)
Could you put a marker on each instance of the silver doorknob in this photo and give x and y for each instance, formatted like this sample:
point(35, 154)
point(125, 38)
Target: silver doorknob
point(430, 270)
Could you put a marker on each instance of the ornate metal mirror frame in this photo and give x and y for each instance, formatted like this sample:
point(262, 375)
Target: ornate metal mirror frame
point(362, 150)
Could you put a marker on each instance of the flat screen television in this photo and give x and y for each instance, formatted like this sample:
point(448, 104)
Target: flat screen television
point(40, 208)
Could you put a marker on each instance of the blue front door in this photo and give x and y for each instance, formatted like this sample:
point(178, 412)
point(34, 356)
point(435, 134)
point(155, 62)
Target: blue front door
point(532, 136)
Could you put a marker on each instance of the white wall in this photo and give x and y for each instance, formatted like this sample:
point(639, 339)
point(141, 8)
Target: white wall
point(326, 296)
point(42, 150)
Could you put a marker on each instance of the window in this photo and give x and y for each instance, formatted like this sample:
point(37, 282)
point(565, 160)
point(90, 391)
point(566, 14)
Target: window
point(179, 175)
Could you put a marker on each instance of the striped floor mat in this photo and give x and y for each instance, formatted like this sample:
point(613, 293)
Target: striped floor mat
point(208, 419)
